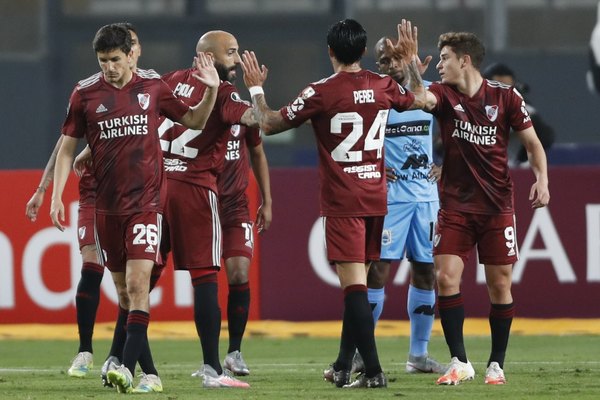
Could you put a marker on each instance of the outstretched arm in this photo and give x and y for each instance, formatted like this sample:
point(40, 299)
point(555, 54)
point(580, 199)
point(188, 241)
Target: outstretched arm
point(34, 204)
point(197, 116)
point(271, 122)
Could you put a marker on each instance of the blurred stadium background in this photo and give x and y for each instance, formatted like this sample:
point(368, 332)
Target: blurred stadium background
point(45, 48)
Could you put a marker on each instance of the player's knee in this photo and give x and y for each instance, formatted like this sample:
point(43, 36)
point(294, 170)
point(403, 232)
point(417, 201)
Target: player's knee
point(422, 275)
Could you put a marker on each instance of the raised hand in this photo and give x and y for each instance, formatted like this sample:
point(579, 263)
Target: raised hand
point(254, 75)
point(406, 48)
point(207, 73)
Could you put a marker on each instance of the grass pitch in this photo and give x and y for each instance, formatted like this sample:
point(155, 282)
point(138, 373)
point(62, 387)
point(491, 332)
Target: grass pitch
point(537, 367)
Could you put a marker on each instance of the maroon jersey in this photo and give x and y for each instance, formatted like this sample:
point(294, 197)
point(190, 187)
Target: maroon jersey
point(196, 156)
point(349, 113)
point(475, 133)
point(87, 189)
point(121, 126)
point(233, 180)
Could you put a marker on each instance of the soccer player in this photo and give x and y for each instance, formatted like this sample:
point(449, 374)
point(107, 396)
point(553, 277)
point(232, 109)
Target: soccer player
point(476, 192)
point(193, 160)
point(413, 204)
point(348, 111)
point(117, 111)
point(92, 271)
point(238, 234)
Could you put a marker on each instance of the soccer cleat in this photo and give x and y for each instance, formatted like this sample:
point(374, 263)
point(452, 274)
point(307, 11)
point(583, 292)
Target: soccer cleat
point(494, 375)
point(210, 379)
point(121, 378)
point(149, 383)
point(236, 364)
point(378, 381)
point(81, 365)
point(358, 365)
point(110, 364)
point(423, 364)
point(338, 378)
point(456, 373)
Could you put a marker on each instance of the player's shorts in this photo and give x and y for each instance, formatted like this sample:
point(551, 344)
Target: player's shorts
point(238, 240)
point(409, 228)
point(495, 236)
point(353, 239)
point(85, 226)
point(128, 237)
point(194, 228)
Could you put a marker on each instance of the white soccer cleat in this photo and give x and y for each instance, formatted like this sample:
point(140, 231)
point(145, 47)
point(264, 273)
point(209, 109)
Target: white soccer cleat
point(121, 378)
point(235, 363)
point(110, 364)
point(81, 365)
point(210, 378)
point(149, 383)
point(456, 373)
point(494, 375)
point(423, 364)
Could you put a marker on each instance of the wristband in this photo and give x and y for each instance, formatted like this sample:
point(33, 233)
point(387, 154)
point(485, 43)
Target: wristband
point(254, 90)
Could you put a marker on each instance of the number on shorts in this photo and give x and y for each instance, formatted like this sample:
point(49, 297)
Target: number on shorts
point(373, 141)
point(509, 235)
point(145, 234)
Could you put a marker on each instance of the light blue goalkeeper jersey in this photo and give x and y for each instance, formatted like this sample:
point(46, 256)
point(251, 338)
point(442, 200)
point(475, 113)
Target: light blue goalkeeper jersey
point(409, 152)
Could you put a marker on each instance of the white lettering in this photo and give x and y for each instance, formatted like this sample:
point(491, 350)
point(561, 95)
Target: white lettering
point(592, 217)
point(364, 96)
point(7, 274)
point(554, 251)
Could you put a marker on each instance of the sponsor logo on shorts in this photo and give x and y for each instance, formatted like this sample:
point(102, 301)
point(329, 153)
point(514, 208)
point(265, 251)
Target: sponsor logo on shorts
point(249, 243)
point(82, 232)
point(511, 252)
point(150, 249)
point(386, 237)
point(436, 239)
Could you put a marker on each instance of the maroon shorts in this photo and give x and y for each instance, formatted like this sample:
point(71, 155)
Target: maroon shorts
point(238, 240)
point(495, 236)
point(129, 237)
point(353, 239)
point(192, 217)
point(85, 226)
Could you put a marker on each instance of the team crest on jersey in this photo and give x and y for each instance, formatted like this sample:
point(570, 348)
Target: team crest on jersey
point(491, 112)
point(235, 130)
point(143, 100)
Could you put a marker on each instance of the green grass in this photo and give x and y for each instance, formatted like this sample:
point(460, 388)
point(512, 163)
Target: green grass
point(537, 367)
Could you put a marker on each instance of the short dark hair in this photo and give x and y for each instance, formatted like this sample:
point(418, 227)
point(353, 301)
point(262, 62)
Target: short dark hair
point(129, 26)
point(112, 37)
point(497, 69)
point(347, 39)
point(464, 43)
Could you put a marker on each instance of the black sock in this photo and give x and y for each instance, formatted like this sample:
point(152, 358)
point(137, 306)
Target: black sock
point(119, 335)
point(347, 344)
point(452, 317)
point(501, 316)
point(146, 361)
point(363, 327)
point(207, 316)
point(238, 304)
point(137, 330)
point(86, 302)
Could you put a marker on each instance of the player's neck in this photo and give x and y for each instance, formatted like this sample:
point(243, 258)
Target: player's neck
point(348, 68)
point(127, 76)
point(470, 84)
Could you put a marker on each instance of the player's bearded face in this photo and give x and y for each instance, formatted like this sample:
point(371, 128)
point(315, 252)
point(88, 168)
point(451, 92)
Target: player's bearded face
point(226, 73)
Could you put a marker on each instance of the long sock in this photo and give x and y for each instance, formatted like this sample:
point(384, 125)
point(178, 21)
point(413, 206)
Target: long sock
point(347, 344)
point(363, 327)
point(452, 316)
point(238, 304)
point(207, 316)
point(137, 329)
point(119, 335)
point(86, 302)
point(376, 298)
point(501, 316)
point(146, 361)
point(420, 306)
